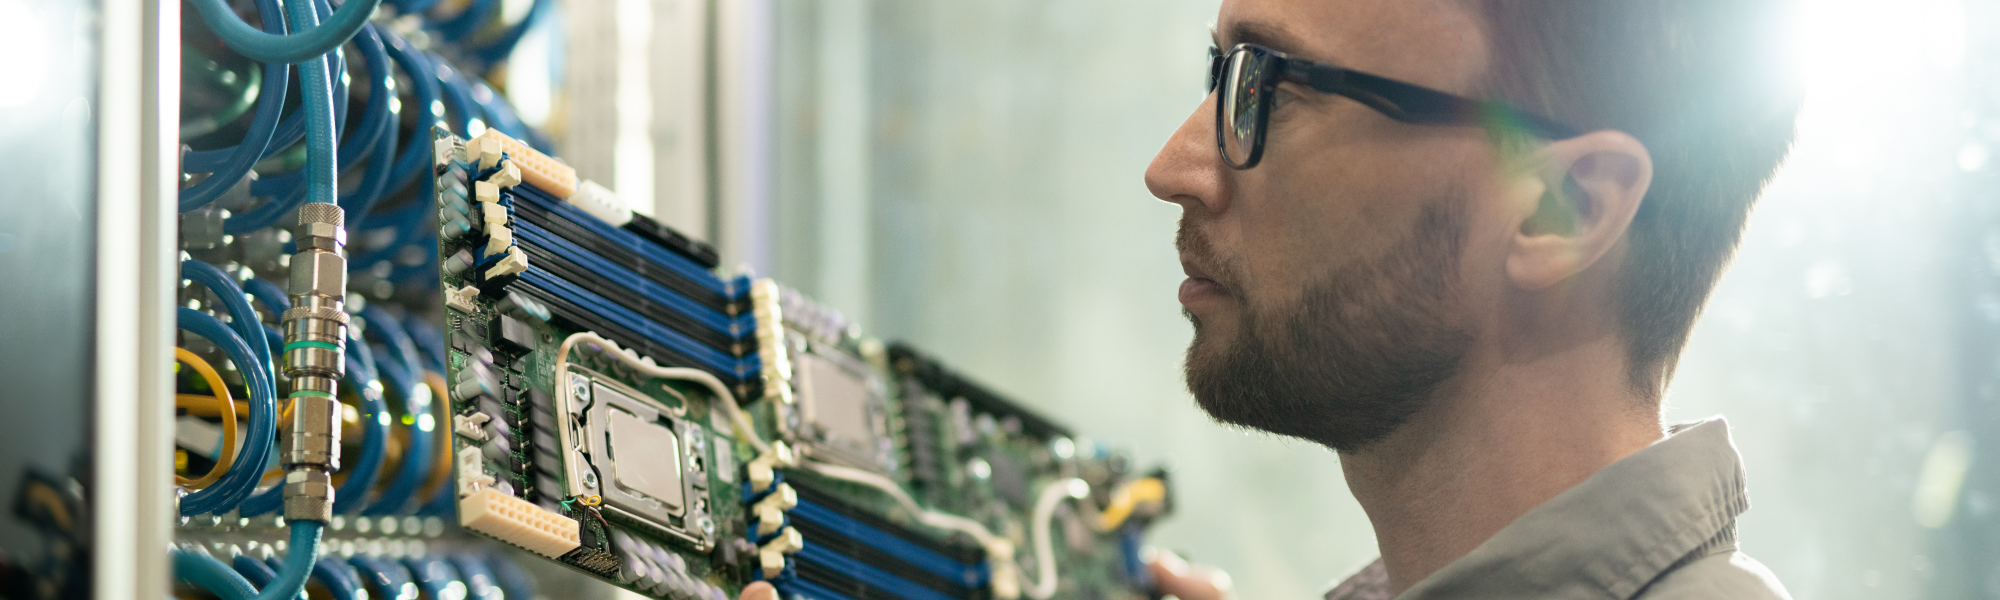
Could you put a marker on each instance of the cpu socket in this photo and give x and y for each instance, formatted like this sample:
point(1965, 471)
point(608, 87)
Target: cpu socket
point(845, 403)
point(646, 460)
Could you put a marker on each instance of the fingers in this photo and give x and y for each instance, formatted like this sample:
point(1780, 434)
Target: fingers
point(758, 591)
point(1177, 578)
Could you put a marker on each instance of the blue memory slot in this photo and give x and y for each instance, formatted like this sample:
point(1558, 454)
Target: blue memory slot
point(923, 558)
point(666, 258)
point(645, 288)
point(639, 324)
point(870, 575)
point(809, 590)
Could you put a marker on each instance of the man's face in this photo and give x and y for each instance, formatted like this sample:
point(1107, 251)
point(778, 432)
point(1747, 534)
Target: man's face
point(1328, 285)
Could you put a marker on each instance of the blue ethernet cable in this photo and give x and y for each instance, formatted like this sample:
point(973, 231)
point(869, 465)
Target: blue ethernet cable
point(456, 27)
point(242, 476)
point(303, 44)
point(208, 573)
point(228, 166)
point(429, 341)
point(429, 111)
point(289, 130)
point(338, 578)
point(434, 575)
point(457, 100)
point(504, 45)
point(479, 581)
point(374, 137)
point(499, 115)
point(316, 88)
point(352, 495)
point(242, 318)
point(390, 577)
point(404, 375)
point(268, 294)
point(253, 570)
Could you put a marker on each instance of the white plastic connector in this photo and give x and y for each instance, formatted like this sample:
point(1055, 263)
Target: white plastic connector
point(514, 264)
point(486, 148)
point(784, 498)
point(601, 203)
point(772, 562)
point(508, 175)
point(787, 542)
point(544, 172)
point(471, 426)
point(520, 523)
point(492, 213)
point(461, 298)
point(472, 476)
point(498, 240)
point(485, 192)
point(443, 151)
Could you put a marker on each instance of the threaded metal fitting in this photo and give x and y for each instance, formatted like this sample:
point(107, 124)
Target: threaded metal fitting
point(309, 495)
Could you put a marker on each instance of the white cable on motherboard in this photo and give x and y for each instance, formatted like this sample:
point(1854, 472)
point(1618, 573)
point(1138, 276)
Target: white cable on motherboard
point(1045, 512)
point(1000, 551)
point(744, 428)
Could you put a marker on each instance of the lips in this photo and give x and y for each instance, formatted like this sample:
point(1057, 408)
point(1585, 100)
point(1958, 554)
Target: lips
point(1199, 287)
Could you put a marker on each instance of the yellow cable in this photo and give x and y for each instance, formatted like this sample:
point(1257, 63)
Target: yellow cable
point(442, 471)
point(1126, 498)
point(205, 406)
point(224, 406)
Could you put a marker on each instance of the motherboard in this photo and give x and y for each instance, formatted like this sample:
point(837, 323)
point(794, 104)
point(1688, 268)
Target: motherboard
point(618, 406)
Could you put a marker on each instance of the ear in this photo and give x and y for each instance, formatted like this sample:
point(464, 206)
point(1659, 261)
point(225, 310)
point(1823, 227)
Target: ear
point(1576, 205)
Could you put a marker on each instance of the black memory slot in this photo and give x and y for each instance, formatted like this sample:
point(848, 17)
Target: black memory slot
point(948, 385)
point(578, 318)
point(663, 235)
point(624, 296)
point(830, 539)
point(964, 553)
point(620, 255)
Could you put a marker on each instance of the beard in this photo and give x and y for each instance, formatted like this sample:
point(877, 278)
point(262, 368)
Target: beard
point(1362, 351)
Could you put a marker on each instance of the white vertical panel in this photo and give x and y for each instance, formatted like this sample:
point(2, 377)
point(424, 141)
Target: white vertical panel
point(743, 145)
point(679, 117)
point(844, 144)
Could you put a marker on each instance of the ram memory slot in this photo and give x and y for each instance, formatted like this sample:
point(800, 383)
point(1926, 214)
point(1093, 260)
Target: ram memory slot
point(581, 268)
point(664, 344)
point(861, 556)
point(659, 233)
point(636, 252)
point(947, 384)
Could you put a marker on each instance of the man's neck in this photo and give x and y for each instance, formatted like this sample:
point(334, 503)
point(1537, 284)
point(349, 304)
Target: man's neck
point(1509, 436)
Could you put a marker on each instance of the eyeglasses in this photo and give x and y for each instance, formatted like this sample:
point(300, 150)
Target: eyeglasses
point(1248, 74)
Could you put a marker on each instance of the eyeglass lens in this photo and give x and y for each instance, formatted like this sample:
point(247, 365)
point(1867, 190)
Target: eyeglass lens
point(1241, 106)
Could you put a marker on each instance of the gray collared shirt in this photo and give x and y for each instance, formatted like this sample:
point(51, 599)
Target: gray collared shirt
point(1659, 524)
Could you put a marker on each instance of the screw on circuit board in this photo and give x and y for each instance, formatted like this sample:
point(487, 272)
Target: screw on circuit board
point(589, 480)
point(707, 525)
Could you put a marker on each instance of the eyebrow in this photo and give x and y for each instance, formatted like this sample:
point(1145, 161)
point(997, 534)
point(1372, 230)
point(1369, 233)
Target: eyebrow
point(1255, 32)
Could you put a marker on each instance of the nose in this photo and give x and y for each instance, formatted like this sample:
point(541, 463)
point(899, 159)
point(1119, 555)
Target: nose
point(1189, 170)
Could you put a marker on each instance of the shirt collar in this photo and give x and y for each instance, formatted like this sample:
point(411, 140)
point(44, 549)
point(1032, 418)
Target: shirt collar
point(1616, 531)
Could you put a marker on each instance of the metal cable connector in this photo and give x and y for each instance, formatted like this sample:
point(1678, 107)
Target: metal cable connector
point(315, 358)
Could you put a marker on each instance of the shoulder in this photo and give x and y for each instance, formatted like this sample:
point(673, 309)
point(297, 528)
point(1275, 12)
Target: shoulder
point(1728, 574)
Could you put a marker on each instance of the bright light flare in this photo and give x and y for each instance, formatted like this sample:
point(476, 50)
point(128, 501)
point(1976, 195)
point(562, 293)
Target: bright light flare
point(23, 36)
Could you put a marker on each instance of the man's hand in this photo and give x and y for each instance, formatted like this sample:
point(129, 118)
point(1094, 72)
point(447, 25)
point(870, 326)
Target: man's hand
point(758, 591)
point(1177, 578)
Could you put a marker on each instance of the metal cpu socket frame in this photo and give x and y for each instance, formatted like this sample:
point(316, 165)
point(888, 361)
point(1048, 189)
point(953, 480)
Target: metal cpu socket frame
point(648, 462)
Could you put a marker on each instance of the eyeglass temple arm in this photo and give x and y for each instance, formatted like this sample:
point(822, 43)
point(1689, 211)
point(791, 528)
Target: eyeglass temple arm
point(1412, 103)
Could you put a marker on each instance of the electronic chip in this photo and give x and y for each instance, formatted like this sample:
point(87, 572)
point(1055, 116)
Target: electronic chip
point(648, 458)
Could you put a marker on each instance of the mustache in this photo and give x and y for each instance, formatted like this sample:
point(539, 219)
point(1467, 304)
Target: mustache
point(1193, 243)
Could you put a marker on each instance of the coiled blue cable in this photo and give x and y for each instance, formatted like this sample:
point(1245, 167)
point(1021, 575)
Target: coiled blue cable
point(374, 136)
point(429, 111)
point(404, 375)
point(459, 107)
point(504, 45)
point(429, 341)
point(242, 318)
point(338, 578)
point(293, 127)
point(242, 477)
point(253, 570)
point(456, 27)
point(304, 43)
point(433, 575)
point(268, 294)
point(389, 577)
point(228, 165)
point(208, 573)
point(479, 582)
point(352, 495)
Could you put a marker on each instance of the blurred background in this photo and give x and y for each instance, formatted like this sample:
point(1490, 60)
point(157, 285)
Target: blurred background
point(967, 175)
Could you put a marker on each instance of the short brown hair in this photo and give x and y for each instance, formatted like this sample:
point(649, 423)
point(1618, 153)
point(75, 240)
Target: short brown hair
point(1706, 86)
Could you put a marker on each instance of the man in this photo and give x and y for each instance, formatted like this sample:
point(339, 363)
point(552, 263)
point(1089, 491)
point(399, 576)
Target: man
point(1462, 243)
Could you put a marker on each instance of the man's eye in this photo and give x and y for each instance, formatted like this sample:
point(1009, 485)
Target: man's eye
point(1280, 96)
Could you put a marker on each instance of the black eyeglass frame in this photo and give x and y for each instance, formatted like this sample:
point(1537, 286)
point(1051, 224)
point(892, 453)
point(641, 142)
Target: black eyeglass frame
point(1405, 102)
